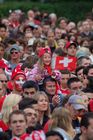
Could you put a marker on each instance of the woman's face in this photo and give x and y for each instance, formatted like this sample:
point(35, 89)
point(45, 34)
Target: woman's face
point(47, 59)
point(42, 103)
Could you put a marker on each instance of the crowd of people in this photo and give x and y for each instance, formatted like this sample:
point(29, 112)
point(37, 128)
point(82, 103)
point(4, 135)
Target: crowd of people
point(46, 77)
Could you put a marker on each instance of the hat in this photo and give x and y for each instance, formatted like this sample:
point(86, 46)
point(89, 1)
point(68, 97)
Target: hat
point(42, 51)
point(17, 71)
point(82, 52)
point(68, 44)
point(91, 105)
point(30, 25)
point(77, 102)
point(14, 47)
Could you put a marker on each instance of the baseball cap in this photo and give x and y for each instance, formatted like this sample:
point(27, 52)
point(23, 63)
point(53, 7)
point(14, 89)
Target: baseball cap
point(14, 47)
point(77, 102)
point(69, 43)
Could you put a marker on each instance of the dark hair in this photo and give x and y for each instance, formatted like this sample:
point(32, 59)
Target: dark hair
point(46, 79)
point(54, 133)
point(4, 136)
point(66, 71)
point(30, 84)
point(25, 102)
point(17, 112)
point(86, 70)
point(72, 80)
point(85, 119)
point(78, 69)
point(3, 26)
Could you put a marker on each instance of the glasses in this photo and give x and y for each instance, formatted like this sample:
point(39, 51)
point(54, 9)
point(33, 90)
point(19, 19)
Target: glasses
point(14, 52)
point(2, 81)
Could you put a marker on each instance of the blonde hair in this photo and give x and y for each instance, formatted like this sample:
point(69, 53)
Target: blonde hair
point(37, 96)
point(62, 118)
point(10, 101)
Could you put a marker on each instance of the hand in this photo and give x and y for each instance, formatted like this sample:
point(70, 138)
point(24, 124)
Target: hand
point(56, 100)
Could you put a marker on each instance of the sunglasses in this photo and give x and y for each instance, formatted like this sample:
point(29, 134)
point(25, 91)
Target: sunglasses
point(14, 52)
point(2, 81)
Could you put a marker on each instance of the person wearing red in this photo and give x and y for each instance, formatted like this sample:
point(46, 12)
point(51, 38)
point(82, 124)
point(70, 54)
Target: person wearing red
point(18, 124)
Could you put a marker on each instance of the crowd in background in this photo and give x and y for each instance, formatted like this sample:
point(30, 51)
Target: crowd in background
point(46, 77)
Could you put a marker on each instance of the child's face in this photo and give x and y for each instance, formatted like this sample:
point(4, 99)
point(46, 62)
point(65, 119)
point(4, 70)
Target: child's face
point(47, 59)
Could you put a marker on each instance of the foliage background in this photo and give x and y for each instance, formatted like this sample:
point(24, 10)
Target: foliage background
point(72, 9)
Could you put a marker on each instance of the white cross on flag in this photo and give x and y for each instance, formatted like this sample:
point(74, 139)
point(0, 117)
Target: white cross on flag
point(62, 63)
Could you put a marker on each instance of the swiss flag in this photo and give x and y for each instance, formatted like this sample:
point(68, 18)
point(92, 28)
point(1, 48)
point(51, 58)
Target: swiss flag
point(62, 63)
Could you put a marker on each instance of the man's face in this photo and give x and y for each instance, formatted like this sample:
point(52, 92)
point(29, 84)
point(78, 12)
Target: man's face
point(3, 80)
point(90, 72)
point(53, 138)
point(29, 92)
point(76, 86)
point(50, 87)
point(64, 80)
point(89, 131)
point(15, 54)
point(32, 117)
point(18, 125)
point(86, 62)
point(80, 74)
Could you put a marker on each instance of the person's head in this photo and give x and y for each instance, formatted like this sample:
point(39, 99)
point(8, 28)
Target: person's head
point(50, 36)
point(37, 45)
point(10, 103)
point(84, 61)
point(76, 105)
point(32, 116)
point(58, 33)
point(79, 72)
point(49, 84)
point(61, 118)
point(25, 102)
point(61, 44)
point(71, 48)
point(86, 125)
point(29, 88)
point(3, 31)
point(3, 79)
point(53, 135)
point(88, 75)
point(65, 76)
point(18, 78)
point(14, 52)
point(43, 102)
point(85, 26)
point(74, 84)
point(18, 123)
point(44, 56)
point(63, 22)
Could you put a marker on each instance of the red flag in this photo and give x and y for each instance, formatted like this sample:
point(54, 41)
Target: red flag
point(62, 63)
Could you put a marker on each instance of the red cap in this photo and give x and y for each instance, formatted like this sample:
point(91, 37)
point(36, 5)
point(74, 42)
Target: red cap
point(43, 51)
point(91, 105)
point(68, 44)
point(17, 71)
